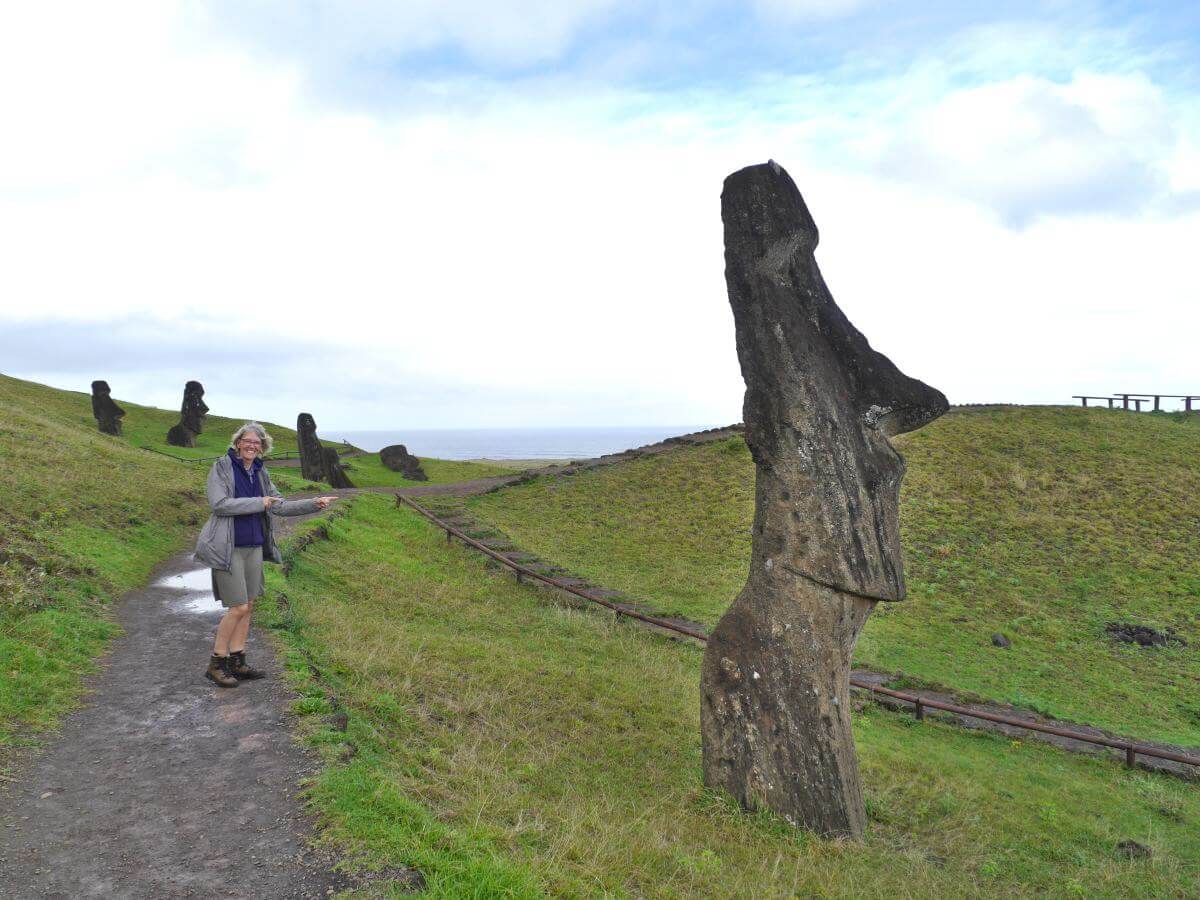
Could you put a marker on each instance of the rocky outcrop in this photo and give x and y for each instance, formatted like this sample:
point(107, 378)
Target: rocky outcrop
point(318, 462)
point(104, 408)
point(191, 417)
point(398, 459)
point(820, 405)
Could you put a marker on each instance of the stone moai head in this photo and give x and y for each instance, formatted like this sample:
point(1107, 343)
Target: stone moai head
point(306, 425)
point(312, 463)
point(820, 404)
point(192, 414)
point(104, 408)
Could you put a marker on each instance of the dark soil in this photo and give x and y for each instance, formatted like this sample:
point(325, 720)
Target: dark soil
point(1142, 635)
point(164, 785)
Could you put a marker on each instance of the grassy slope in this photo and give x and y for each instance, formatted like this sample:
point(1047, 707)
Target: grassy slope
point(83, 517)
point(1042, 523)
point(508, 746)
point(368, 471)
point(143, 426)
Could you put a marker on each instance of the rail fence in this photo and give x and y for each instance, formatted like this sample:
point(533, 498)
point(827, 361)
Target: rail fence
point(1131, 749)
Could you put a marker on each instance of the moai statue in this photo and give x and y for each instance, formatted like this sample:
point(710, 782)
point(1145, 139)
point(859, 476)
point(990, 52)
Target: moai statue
point(820, 406)
point(312, 464)
point(104, 408)
point(398, 459)
point(191, 417)
point(318, 462)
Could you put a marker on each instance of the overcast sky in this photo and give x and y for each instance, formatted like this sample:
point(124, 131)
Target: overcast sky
point(450, 213)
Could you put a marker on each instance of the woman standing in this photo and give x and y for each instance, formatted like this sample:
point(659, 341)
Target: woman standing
point(237, 538)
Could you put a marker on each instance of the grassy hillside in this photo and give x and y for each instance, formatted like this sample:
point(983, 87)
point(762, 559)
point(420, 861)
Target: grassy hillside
point(368, 471)
point(510, 746)
point(1041, 523)
point(83, 517)
point(145, 426)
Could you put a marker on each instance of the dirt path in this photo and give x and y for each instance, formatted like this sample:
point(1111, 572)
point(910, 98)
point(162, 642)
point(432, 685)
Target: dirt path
point(164, 785)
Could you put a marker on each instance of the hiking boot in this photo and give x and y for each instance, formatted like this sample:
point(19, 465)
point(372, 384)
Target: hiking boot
point(241, 671)
point(218, 671)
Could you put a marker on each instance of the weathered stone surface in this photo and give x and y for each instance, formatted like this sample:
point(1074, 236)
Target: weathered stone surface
point(312, 463)
point(318, 462)
point(178, 435)
point(104, 408)
point(191, 417)
point(398, 459)
point(334, 473)
point(819, 407)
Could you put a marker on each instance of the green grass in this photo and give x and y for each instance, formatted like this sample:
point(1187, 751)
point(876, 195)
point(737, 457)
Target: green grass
point(1041, 523)
point(368, 471)
point(83, 518)
point(510, 746)
point(146, 426)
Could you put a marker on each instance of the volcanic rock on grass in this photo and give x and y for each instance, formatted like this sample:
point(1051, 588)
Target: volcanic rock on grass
point(398, 459)
point(104, 408)
point(820, 406)
point(318, 462)
point(1142, 635)
point(191, 417)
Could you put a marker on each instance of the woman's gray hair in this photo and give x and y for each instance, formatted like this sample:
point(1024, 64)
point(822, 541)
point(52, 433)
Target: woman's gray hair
point(267, 443)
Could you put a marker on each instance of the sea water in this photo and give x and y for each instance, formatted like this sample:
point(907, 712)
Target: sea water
point(513, 443)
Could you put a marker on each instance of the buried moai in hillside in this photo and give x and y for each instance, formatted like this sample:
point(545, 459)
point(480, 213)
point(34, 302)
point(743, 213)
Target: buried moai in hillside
point(191, 417)
point(318, 462)
point(398, 459)
point(104, 408)
point(820, 406)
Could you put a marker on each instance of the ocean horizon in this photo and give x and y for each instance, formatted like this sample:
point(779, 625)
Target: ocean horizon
point(512, 443)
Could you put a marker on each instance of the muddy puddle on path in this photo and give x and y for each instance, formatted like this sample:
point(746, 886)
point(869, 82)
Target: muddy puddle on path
point(191, 591)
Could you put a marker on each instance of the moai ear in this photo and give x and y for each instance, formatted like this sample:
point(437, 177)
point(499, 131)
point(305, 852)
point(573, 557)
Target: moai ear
point(820, 403)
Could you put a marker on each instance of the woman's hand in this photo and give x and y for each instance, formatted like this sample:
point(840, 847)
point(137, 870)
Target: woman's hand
point(323, 502)
point(267, 501)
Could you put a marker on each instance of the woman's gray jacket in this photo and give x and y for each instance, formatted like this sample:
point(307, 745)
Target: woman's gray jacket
point(215, 546)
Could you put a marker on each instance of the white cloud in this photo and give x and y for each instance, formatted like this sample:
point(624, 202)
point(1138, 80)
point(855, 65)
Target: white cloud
point(514, 33)
point(1028, 147)
point(805, 10)
point(549, 255)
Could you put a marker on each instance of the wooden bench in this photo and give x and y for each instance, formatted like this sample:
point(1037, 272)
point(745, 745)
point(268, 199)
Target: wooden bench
point(1186, 398)
point(1086, 397)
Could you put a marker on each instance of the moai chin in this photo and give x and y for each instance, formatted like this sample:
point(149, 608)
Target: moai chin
point(191, 417)
point(819, 408)
point(104, 408)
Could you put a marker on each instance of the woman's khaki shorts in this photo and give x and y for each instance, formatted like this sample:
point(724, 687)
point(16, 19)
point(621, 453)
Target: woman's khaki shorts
point(244, 581)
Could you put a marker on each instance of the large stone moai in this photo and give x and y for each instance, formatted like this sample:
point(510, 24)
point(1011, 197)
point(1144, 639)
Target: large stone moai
point(318, 462)
point(191, 417)
point(397, 458)
point(104, 408)
point(820, 405)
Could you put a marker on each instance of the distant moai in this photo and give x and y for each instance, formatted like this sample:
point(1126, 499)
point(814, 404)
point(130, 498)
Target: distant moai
point(191, 417)
point(819, 408)
point(398, 459)
point(104, 408)
point(318, 462)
